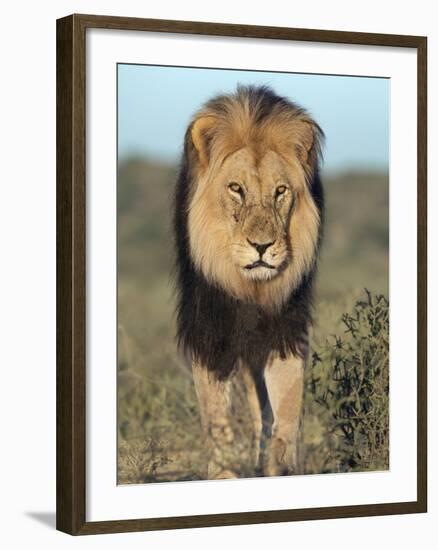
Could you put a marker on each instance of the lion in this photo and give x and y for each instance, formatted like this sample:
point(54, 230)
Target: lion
point(248, 218)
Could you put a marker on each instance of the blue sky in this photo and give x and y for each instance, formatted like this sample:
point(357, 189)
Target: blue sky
point(155, 104)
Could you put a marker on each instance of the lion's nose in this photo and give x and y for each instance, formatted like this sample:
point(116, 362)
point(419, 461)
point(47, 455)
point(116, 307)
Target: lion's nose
point(261, 247)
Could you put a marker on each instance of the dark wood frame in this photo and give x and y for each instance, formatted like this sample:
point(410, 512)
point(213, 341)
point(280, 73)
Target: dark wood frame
point(71, 265)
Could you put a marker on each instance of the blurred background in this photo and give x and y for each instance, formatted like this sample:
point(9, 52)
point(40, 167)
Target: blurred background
point(158, 425)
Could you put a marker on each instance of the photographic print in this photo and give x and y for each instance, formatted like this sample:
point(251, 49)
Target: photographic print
point(252, 274)
point(241, 274)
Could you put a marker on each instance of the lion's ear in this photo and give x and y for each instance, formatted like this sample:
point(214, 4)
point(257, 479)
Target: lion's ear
point(307, 146)
point(202, 132)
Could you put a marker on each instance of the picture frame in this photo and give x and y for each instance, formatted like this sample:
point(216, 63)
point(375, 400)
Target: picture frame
point(72, 289)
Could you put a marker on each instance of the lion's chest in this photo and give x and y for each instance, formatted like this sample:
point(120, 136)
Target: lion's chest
point(256, 334)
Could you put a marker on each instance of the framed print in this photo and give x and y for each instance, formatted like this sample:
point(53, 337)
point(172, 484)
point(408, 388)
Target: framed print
point(241, 274)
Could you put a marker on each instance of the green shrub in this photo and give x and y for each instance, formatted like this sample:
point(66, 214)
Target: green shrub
point(348, 382)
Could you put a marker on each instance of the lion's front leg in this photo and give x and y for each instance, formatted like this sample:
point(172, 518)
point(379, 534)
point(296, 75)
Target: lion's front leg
point(285, 383)
point(255, 412)
point(214, 401)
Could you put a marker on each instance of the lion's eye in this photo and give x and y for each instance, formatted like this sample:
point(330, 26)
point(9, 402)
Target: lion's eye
point(236, 188)
point(281, 190)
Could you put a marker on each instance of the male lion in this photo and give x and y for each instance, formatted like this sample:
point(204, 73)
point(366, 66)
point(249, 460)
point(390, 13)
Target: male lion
point(247, 221)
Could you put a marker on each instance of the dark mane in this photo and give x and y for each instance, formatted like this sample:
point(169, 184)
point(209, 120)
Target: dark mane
point(214, 327)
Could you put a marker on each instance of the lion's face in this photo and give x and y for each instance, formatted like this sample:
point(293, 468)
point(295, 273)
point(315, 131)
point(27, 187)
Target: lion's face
point(252, 222)
point(256, 200)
